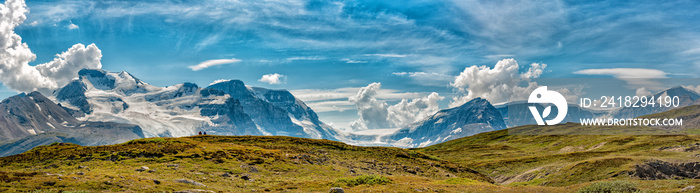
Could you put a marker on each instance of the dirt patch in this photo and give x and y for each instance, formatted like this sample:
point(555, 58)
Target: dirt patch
point(568, 149)
point(524, 177)
point(596, 146)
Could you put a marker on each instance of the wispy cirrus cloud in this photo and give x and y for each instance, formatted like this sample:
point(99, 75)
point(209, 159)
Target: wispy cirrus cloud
point(388, 55)
point(210, 63)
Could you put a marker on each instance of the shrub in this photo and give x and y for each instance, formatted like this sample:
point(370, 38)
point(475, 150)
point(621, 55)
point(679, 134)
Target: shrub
point(609, 187)
point(360, 180)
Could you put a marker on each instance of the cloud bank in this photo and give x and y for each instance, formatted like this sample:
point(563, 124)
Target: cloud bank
point(15, 71)
point(377, 114)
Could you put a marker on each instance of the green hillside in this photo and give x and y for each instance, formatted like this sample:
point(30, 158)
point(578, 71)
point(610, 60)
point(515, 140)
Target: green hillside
point(231, 164)
point(652, 162)
point(489, 162)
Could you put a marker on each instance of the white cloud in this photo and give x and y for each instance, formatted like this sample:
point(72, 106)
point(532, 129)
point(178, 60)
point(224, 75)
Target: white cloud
point(72, 26)
point(331, 106)
point(635, 77)
point(428, 60)
point(373, 112)
point(66, 65)
point(514, 27)
point(219, 81)
point(377, 114)
point(273, 78)
point(406, 112)
point(642, 92)
point(427, 78)
point(624, 73)
point(308, 95)
point(349, 61)
point(306, 58)
point(499, 56)
point(500, 84)
point(207, 42)
point(15, 71)
point(388, 55)
point(210, 63)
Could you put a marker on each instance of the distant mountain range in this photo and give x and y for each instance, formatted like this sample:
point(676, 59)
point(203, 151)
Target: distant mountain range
point(101, 107)
point(224, 108)
point(125, 108)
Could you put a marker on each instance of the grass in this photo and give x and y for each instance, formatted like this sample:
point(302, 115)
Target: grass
point(562, 160)
point(362, 180)
point(488, 162)
point(220, 162)
point(619, 186)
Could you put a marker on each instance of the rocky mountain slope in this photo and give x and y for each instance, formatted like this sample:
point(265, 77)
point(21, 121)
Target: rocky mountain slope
point(30, 120)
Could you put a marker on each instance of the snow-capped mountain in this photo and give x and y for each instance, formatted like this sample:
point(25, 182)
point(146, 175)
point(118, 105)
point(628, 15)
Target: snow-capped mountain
point(473, 117)
point(224, 108)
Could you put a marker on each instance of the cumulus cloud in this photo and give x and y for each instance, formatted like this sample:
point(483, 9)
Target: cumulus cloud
point(377, 114)
point(642, 92)
point(15, 71)
point(65, 66)
point(273, 78)
point(210, 63)
point(73, 26)
point(373, 112)
point(407, 112)
point(497, 84)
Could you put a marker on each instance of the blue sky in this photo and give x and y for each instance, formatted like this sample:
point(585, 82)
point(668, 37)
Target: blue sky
point(323, 48)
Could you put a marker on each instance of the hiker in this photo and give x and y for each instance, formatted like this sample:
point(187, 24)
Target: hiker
point(200, 133)
point(205, 133)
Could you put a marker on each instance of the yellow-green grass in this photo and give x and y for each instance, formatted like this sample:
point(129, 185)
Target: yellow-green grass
point(561, 160)
point(220, 162)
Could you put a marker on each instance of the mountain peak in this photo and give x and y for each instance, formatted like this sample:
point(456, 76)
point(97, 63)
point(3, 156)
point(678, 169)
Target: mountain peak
point(227, 82)
point(475, 116)
point(680, 91)
point(474, 103)
point(478, 100)
point(92, 72)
